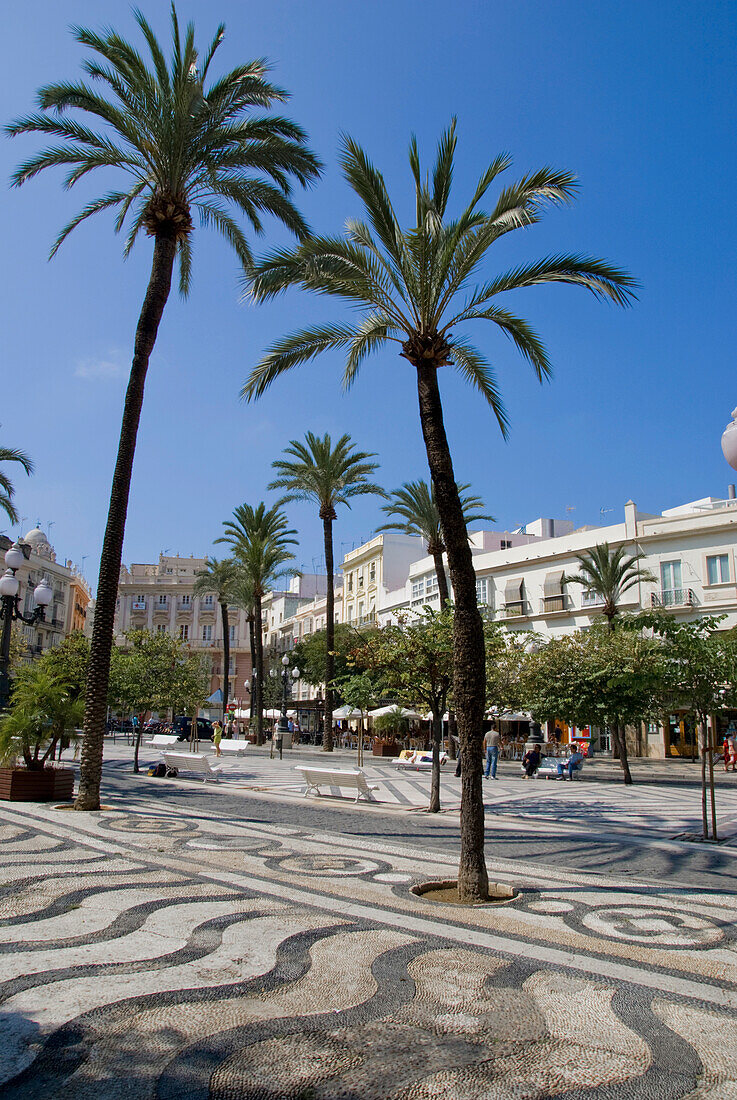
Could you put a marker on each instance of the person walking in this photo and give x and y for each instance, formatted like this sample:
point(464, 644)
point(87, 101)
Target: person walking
point(491, 744)
point(217, 736)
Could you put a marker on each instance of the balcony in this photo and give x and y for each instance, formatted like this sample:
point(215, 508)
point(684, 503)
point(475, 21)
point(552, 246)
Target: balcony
point(673, 597)
point(161, 609)
point(518, 609)
point(591, 599)
point(58, 623)
point(553, 605)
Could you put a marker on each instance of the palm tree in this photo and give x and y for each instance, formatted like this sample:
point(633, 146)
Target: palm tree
point(413, 287)
point(180, 148)
point(218, 578)
point(608, 574)
point(242, 596)
point(7, 491)
point(259, 538)
point(416, 512)
point(328, 476)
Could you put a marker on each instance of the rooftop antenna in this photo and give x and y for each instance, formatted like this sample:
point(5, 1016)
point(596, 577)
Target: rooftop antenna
point(51, 523)
point(84, 559)
point(604, 511)
point(570, 508)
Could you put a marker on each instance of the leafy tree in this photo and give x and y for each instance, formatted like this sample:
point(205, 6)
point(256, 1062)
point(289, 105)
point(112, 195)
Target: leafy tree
point(699, 665)
point(506, 652)
point(413, 286)
point(361, 692)
point(259, 539)
point(218, 577)
point(328, 476)
point(69, 661)
point(608, 574)
point(309, 654)
point(599, 677)
point(7, 490)
point(415, 658)
point(415, 512)
point(43, 711)
point(179, 147)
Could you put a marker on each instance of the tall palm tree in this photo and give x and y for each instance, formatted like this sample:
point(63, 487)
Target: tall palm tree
point(416, 512)
point(608, 574)
point(414, 287)
point(180, 148)
point(242, 596)
point(328, 476)
point(7, 490)
point(258, 538)
point(218, 578)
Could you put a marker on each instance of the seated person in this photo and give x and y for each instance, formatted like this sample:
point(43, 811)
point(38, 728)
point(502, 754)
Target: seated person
point(573, 762)
point(531, 762)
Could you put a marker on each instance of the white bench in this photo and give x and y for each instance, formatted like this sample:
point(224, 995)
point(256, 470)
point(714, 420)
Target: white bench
point(420, 761)
point(163, 741)
point(549, 768)
point(195, 762)
point(334, 777)
point(234, 748)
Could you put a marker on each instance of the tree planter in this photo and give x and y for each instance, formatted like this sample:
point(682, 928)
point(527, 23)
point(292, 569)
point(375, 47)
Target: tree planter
point(36, 785)
point(386, 748)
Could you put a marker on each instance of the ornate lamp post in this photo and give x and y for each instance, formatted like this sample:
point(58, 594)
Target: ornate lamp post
point(10, 612)
point(282, 726)
point(729, 441)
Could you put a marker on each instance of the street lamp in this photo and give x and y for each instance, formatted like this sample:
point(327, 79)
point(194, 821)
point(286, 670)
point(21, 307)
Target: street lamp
point(729, 441)
point(282, 725)
point(10, 611)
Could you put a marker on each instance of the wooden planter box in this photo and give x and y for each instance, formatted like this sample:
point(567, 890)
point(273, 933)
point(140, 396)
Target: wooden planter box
point(386, 748)
point(41, 785)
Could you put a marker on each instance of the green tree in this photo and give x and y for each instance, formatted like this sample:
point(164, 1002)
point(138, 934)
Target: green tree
point(506, 653)
point(327, 476)
point(259, 539)
point(7, 490)
point(43, 711)
point(218, 578)
point(415, 512)
point(609, 573)
point(414, 287)
point(598, 677)
point(415, 658)
point(361, 692)
point(69, 661)
point(180, 147)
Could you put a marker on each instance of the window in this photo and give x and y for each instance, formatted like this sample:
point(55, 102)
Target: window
point(717, 569)
point(418, 589)
point(482, 591)
point(670, 575)
point(162, 601)
point(350, 582)
point(360, 611)
point(208, 601)
point(170, 570)
point(372, 572)
point(160, 628)
point(506, 544)
point(207, 633)
point(431, 584)
point(232, 632)
point(184, 632)
point(186, 600)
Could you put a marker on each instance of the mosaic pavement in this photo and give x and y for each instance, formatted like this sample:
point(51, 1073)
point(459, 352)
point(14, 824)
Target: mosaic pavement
point(169, 955)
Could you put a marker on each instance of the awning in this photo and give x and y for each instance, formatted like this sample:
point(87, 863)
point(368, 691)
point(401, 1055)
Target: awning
point(553, 585)
point(513, 590)
point(216, 697)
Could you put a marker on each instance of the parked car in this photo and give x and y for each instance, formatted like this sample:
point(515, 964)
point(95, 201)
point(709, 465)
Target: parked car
point(182, 728)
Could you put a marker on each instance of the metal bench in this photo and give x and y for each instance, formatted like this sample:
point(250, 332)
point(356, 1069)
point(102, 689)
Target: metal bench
point(163, 741)
point(334, 777)
point(195, 762)
point(549, 767)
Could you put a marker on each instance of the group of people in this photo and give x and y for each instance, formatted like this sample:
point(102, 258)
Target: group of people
point(730, 750)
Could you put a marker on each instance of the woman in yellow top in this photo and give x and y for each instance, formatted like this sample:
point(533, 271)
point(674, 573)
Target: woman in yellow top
point(217, 736)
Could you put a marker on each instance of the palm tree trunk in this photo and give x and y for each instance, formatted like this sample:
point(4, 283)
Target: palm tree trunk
point(443, 590)
point(327, 736)
point(258, 696)
point(437, 734)
point(98, 673)
point(252, 646)
point(469, 671)
point(226, 655)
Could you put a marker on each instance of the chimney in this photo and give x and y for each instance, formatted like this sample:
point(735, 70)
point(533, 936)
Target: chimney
point(731, 495)
point(630, 519)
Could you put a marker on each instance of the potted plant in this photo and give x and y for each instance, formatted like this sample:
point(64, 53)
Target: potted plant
point(389, 727)
point(44, 713)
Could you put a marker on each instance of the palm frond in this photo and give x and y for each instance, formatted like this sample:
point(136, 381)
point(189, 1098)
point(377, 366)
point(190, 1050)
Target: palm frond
point(477, 371)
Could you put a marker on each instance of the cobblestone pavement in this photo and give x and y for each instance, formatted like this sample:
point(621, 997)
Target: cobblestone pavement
point(155, 950)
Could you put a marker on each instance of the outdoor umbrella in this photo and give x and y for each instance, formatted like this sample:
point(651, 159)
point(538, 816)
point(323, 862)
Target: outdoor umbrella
point(346, 712)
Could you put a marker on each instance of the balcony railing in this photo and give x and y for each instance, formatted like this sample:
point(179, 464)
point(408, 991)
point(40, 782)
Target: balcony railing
point(592, 599)
point(518, 609)
point(161, 608)
point(673, 597)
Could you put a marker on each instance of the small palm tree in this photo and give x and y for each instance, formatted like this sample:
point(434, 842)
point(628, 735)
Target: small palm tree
point(7, 490)
point(328, 476)
point(608, 574)
point(180, 147)
point(413, 287)
point(259, 539)
point(218, 578)
point(416, 512)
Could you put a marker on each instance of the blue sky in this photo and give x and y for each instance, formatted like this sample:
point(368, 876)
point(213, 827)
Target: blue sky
point(637, 99)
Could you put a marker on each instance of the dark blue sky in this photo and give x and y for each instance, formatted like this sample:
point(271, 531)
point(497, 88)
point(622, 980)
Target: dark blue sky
point(637, 98)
